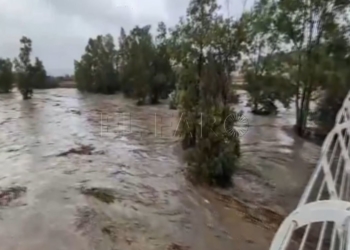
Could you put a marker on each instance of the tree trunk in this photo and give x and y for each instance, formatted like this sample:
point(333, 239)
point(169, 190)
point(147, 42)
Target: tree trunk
point(255, 105)
point(25, 95)
point(155, 97)
point(193, 139)
point(300, 123)
point(297, 91)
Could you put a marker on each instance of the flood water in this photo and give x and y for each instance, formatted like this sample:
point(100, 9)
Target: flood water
point(62, 143)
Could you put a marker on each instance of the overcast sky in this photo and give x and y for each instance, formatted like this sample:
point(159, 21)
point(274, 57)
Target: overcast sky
point(60, 29)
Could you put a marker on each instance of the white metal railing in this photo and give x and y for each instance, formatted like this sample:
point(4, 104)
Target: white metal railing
point(322, 218)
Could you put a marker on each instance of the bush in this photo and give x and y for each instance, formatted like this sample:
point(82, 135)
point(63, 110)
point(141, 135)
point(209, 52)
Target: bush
point(214, 159)
point(327, 108)
point(214, 169)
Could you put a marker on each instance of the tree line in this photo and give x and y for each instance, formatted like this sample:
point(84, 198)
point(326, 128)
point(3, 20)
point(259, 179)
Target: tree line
point(289, 51)
point(23, 73)
point(292, 52)
point(298, 53)
point(195, 58)
point(141, 67)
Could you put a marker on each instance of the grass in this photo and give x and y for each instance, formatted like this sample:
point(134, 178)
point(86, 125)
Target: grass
point(105, 195)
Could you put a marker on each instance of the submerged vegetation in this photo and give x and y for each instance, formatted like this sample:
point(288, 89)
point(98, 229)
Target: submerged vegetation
point(24, 74)
point(6, 75)
point(288, 51)
point(28, 75)
point(206, 46)
point(141, 67)
point(298, 49)
point(102, 194)
point(193, 61)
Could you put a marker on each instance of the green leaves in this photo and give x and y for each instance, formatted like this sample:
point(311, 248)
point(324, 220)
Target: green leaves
point(97, 69)
point(28, 75)
point(140, 68)
point(206, 47)
point(295, 47)
point(6, 76)
point(146, 70)
point(38, 74)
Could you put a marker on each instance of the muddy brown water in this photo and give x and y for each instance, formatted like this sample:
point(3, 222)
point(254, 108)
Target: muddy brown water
point(62, 142)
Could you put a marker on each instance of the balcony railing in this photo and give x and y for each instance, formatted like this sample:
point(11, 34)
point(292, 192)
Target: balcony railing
point(322, 218)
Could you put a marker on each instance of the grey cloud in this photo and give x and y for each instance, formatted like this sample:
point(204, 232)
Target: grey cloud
point(98, 14)
point(175, 10)
point(60, 28)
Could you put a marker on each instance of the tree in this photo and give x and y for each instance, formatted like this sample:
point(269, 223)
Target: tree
point(335, 77)
point(287, 40)
point(140, 68)
point(122, 62)
point(24, 69)
point(6, 76)
point(140, 60)
point(304, 27)
point(97, 69)
point(205, 48)
point(39, 76)
point(263, 71)
point(163, 81)
point(144, 64)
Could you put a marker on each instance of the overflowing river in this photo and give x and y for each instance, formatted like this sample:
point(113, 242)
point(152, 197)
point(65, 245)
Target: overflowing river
point(97, 172)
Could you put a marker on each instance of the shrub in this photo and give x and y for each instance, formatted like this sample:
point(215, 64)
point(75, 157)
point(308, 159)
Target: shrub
point(214, 159)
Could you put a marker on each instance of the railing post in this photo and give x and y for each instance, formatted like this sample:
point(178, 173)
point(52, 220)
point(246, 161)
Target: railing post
point(337, 208)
